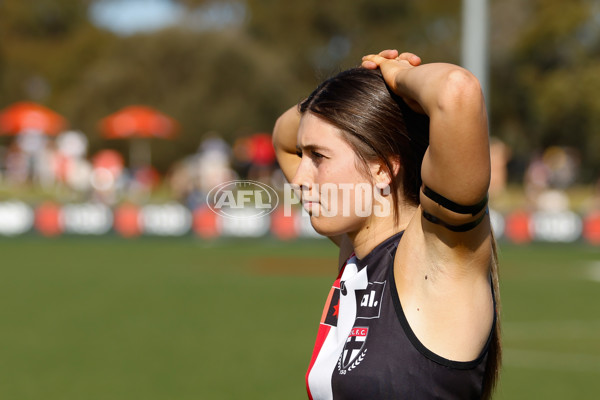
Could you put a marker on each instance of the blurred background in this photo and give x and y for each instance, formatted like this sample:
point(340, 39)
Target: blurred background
point(117, 117)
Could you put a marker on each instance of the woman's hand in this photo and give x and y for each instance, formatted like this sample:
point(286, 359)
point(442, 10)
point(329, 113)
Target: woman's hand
point(393, 68)
point(373, 61)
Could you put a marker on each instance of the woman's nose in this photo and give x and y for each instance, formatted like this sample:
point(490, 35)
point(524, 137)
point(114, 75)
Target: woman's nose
point(303, 179)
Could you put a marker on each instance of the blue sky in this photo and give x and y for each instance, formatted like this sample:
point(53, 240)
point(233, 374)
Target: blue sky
point(132, 16)
point(126, 17)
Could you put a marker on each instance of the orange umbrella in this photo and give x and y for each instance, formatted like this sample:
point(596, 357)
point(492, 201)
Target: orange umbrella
point(24, 116)
point(138, 122)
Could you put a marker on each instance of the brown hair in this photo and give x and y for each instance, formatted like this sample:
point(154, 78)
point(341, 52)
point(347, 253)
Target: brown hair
point(380, 127)
point(494, 358)
point(377, 124)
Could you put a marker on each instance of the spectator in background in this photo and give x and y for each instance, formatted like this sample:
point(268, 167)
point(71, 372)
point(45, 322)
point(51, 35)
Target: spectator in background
point(143, 181)
point(262, 158)
point(549, 175)
point(16, 164)
point(241, 159)
point(72, 169)
point(536, 179)
point(45, 166)
point(180, 180)
point(107, 178)
point(563, 163)
point(193, 177)
point(3, 152)
point(213, 166)
point(500, 155)
point(32, 144)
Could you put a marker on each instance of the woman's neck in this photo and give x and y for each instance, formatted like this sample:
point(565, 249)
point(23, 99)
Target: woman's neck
point(377, 229)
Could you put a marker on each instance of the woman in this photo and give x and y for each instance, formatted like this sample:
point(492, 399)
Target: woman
point(413, 311)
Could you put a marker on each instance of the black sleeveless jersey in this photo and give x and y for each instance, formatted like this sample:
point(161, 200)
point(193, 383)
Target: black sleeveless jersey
point(365, 348)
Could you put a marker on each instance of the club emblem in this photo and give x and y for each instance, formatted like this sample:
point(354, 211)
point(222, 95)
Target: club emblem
point(354, 351)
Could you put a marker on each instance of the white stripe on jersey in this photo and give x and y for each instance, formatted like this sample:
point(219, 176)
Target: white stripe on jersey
point(319, 379)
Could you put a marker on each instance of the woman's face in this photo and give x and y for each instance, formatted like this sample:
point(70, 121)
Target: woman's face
point(334, 191)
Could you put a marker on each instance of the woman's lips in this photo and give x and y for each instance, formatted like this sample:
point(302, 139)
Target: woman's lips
point(309, 204)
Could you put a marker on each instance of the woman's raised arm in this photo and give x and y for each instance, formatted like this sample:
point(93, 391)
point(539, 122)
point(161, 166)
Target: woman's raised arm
point(457, 163)
point(285, 134)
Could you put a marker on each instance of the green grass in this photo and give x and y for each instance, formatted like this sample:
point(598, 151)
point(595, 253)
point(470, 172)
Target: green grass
point(106, 318)
point(551, 322)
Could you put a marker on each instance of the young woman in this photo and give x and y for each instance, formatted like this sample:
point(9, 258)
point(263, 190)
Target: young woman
point(413, 311)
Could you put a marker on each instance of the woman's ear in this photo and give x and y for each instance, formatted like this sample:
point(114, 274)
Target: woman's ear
point(381, 173)
point(395, 161)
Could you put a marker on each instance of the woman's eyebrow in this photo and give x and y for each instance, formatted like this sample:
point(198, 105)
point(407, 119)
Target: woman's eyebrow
point(312, 147)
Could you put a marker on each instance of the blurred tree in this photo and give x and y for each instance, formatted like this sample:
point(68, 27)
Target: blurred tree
point(209, 82)
point(235, 79)
point(546, 76)
point(41, 44)
point(326, 36)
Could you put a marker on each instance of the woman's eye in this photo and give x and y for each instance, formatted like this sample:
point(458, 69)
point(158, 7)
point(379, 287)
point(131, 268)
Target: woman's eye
point(299, 153)
point(317, 155)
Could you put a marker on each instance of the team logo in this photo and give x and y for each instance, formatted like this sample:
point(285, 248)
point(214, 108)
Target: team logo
point(354, 351)
point(369, 300)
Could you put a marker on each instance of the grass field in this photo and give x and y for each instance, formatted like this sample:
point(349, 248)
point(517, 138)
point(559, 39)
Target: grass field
point(182, 319)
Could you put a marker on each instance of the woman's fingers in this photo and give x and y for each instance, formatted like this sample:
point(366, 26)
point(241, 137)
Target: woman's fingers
point(373, 61)
point(413, 59)
point(369, 64)
point(389, 54)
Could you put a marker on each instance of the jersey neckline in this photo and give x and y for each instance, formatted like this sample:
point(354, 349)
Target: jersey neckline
point(366, 260)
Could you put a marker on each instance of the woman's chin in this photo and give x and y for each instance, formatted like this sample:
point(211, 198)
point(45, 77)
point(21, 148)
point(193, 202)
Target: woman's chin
point(330, 226)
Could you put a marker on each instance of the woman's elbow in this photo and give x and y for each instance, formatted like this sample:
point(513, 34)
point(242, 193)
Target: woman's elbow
point(462, 90)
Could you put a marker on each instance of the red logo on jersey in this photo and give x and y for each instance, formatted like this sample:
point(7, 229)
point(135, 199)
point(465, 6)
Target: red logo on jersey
point(362, 332)
point(354, 351)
